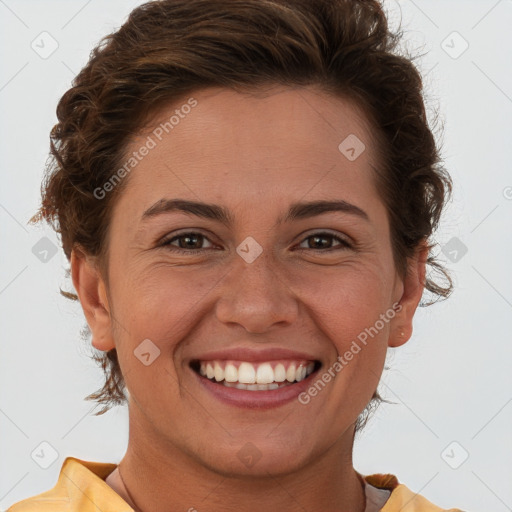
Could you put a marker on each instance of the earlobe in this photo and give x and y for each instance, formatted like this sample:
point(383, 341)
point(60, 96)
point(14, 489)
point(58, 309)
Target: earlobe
point(91, 291)
point(413, 286)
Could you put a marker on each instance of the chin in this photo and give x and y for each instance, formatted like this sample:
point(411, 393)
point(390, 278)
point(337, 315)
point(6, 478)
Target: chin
point(257, 456)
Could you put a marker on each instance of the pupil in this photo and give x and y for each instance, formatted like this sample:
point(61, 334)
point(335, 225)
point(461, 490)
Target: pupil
point(188, 239)
point(317, 238)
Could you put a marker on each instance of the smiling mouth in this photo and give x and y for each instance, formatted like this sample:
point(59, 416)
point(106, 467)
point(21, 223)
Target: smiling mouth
point(262, 376)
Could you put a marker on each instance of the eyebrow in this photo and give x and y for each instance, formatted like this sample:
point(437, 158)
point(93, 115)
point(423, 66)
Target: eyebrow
point(215, 212)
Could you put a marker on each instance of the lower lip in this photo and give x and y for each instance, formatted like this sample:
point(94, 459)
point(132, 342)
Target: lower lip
point(255, 399)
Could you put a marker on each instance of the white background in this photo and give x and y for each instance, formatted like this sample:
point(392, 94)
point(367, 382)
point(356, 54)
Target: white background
point(451, 382)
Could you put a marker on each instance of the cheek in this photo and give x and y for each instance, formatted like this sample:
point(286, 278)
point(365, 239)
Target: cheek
point(161, 300)
point(353, 314)
point(350, 309)
point(343, 301)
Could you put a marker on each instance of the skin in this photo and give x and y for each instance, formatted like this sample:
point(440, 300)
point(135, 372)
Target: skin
point(254, 155)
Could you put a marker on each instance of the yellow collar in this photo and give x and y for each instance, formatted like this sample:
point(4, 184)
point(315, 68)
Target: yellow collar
point(81, 487)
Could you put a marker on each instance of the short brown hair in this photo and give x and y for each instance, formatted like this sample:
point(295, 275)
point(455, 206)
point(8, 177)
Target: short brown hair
point(168, 48)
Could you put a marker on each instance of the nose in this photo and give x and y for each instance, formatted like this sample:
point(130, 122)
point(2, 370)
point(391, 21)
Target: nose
point(256, 295)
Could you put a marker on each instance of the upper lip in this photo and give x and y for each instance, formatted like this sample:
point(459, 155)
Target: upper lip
point(246, 354)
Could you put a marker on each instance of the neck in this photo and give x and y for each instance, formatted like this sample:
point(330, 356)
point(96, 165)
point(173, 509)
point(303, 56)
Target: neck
point(165, 479)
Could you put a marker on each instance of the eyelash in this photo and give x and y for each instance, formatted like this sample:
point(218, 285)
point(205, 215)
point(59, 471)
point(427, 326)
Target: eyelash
point(178, 250)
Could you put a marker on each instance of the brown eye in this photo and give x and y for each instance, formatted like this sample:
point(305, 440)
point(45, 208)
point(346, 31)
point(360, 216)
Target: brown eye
point(187, 243)
point(318, 242)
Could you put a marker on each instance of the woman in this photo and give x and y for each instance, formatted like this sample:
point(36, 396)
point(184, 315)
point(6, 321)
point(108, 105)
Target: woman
point(246, 192)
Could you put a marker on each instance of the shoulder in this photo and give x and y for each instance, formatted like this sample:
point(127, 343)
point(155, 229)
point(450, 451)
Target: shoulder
point(401, 498)
point(41, 503)
point(80, 487)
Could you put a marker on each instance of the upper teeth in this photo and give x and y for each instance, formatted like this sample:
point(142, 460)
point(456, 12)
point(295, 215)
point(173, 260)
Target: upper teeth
point(259, 373)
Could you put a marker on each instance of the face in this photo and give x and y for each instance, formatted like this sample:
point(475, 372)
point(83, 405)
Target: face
point(249, 281)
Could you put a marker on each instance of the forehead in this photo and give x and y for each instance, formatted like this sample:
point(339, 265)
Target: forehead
point(218, 143)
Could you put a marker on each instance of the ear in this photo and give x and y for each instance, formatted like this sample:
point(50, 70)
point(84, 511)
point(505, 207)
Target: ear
point(412, 285)
point(91, 291)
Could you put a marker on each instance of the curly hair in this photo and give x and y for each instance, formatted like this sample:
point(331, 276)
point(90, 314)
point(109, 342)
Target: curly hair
point(169, 48)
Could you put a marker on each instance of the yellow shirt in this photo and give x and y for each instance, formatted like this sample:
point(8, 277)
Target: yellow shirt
point(81, 487)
